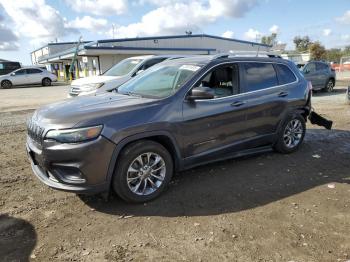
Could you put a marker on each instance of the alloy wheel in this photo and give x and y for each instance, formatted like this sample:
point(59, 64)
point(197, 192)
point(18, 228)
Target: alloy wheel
point(293, 133)
point(330, 86)
point(146, 173)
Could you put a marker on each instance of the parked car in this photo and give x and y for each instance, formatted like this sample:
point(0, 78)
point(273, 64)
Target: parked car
point(176, 115)
point(116, 75)
point(321, 75)
point(347, 97)
point(27, 76)
point(7, 67)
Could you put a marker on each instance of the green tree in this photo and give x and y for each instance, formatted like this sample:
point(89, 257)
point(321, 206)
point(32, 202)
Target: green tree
point(334, 55)
point(317, 51)
point(269, 39)
point(302, 44)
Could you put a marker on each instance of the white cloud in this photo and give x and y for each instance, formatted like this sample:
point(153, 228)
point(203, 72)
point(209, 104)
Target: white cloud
point(178, 17)
point(89, 23)
point(327, 32)
point(345, 37)
point(345, 18)
point(228, 34)
point(274, 29)
point(36, 20)
point(252, 34)
point(99, 7)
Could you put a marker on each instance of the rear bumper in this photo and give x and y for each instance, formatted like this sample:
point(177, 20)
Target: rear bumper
point(80, 168)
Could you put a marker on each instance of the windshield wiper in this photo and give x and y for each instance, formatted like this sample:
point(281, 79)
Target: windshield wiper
point(129, 93)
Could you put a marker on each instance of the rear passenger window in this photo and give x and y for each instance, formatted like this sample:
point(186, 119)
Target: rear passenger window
point(321, 66)
point(285, 75)
point(33, 71)
point(259, 76)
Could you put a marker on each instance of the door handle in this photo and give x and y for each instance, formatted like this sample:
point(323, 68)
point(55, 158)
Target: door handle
point(283, 94)
point(238, 103)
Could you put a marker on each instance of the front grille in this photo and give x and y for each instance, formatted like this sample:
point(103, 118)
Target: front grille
point(35, 132)
point(74, 91)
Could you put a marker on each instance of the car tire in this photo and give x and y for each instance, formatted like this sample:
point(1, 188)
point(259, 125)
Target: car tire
point(291, 134)
point(46, 82)
point(6, 84)
point(329, 86)
point(144, 169)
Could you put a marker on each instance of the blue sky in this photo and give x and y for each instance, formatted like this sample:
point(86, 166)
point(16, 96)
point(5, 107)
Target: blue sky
point(27, 25)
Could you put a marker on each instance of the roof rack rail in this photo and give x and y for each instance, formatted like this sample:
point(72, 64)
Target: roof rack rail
point(246, 54)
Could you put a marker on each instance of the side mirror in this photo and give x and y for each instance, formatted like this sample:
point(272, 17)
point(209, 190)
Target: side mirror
point(201, 93)
point(12, 74)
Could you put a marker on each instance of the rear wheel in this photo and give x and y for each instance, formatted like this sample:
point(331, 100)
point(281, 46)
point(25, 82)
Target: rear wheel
point(143, 171)
point(46, 82)
point(6, 84)
point(330, 86)
point(291, 134)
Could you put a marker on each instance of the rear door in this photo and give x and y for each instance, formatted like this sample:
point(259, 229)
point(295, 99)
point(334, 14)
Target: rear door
point(266, 99)
point(323, 72)
point(35, 75)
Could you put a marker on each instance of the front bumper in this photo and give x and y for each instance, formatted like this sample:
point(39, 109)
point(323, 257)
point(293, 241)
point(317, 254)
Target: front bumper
point(80, 168)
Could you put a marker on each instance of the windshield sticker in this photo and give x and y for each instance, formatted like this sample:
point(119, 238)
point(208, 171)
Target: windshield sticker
point(189, 67)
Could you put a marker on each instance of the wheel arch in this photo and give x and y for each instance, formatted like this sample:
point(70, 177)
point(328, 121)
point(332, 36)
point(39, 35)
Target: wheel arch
point(162, 137)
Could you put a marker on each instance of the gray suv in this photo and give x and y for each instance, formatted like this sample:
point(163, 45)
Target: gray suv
point(176, 115)
point(321, 75)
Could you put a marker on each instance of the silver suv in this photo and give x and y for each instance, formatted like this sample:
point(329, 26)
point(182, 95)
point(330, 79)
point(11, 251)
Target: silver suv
point(321, 75)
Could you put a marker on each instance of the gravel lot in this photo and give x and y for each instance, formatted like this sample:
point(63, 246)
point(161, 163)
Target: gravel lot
point(269, 207)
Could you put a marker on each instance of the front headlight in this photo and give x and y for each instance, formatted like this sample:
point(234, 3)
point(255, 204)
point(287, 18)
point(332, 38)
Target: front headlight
point(74, 135)
point(91, 87)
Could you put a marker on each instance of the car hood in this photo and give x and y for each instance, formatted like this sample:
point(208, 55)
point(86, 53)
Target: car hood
point(72, 112)
point(94, 80)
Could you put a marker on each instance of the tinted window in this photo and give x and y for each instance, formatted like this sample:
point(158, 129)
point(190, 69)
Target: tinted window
point(152, 62)
point(259, 76)
point(310, 68)
point(20, 72)
point(285, 75)
point(1, 66)
point(321, 66)
point(33, 71)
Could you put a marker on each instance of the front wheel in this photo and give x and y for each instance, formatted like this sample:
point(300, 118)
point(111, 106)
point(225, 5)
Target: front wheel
point(144, 169)
point(291, 134)
point(6, 84)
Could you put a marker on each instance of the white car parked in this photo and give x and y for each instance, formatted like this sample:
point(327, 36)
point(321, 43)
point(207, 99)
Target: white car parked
point(116, 75)
point(27, 76)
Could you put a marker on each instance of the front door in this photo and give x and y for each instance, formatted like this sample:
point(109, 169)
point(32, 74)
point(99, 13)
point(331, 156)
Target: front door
point(213, 125)
point(19, 77)
point(311, 74)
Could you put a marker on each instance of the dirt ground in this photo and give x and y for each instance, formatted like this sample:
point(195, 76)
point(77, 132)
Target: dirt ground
point(269, 207)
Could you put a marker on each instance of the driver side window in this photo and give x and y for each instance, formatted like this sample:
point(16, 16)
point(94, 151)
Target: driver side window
point(222, 80)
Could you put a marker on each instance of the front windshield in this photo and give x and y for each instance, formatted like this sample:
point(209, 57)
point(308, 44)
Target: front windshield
point(160, 81)
point(123, 67)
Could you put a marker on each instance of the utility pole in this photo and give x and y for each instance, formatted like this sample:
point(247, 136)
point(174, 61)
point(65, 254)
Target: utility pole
point(113, 27)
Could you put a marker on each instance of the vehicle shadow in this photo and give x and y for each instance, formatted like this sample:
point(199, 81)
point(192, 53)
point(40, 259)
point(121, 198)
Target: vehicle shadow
point(17, 239)
point(336, 91)
point(245, 183)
